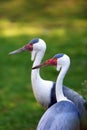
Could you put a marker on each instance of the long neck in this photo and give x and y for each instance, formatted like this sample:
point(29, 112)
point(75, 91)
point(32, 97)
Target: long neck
point(59, 84)
point(37, 61)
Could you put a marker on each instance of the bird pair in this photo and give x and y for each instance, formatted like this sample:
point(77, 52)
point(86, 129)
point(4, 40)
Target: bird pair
point(65, 110)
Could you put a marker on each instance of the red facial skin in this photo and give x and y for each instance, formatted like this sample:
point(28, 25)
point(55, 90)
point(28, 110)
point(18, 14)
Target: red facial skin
point(29, 47)
point(52, 61)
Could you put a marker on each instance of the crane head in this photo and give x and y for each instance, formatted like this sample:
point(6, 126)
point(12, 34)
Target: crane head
point(33, 46)
point(59, 60)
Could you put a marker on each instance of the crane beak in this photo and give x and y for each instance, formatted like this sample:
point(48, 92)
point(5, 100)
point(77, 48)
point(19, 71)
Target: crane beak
point(17, 51)
point(52, 61)
point(22, 49)
point(41, 65)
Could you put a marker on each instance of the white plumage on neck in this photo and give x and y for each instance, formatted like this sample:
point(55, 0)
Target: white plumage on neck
point(64, 66)
point(41, 88)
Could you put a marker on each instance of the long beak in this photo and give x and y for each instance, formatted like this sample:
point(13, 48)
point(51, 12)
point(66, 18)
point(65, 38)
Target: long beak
point(22, 49)
point(52, 61)
point(17, 51)
point(41, 65)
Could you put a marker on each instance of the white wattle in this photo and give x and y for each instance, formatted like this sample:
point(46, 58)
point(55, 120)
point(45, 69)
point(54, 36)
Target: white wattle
point(58, 67)
point(33, 55)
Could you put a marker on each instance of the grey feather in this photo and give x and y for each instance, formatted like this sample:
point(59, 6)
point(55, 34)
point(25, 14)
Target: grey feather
point(61, 116)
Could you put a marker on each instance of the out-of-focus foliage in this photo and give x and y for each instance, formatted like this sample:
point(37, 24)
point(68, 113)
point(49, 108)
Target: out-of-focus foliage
point(36, 16)
point(42, 10)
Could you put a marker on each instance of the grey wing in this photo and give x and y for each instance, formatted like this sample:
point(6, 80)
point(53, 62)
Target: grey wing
point(80, 103)
point(59, 122)
point(46, 121)
point(76, 98)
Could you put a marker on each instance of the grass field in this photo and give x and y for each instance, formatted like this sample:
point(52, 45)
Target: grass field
point(18, 107)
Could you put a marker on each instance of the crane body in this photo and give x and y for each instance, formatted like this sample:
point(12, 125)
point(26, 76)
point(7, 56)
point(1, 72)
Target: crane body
point(63, 115)
point(59, 117)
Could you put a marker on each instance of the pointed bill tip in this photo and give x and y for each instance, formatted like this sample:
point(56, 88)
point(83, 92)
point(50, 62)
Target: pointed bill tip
point(11, 53)
point(17, 51)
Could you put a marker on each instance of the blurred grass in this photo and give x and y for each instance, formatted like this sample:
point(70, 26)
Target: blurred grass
point(19, 109)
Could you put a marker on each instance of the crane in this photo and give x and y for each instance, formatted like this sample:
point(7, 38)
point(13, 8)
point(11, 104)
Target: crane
point(46, 95)
point(63, 115)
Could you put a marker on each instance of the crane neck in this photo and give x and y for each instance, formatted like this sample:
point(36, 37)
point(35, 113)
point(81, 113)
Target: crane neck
point(59, 83)
point(37, 61)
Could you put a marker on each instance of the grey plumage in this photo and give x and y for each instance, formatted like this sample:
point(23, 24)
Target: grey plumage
point(77, 99)
point(61, 116)
point(80, 102)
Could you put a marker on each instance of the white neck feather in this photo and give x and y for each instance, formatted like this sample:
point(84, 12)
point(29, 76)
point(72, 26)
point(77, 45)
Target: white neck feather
point(41, 88)
point(37, 61)
point(59, 84)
